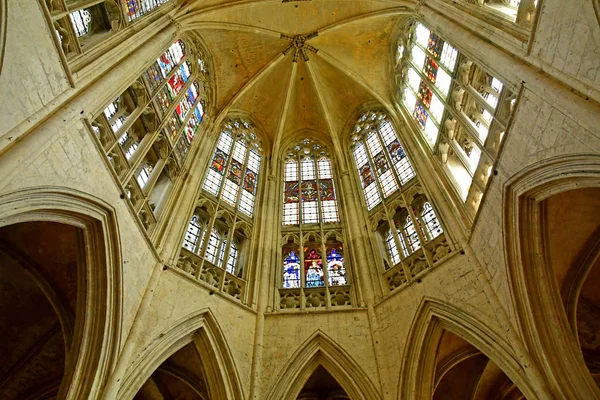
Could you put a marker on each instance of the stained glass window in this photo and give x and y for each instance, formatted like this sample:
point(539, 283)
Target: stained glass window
point(432, 225)
point(193, 235)
point(214, 242)
point(452, 100)
point(336, 273)
point(380, 159)
point(137, 8)
point(308, 191)
point(160, 69)
point(392, 247)
point(233, 171)
point(232, 258)
point(313, 267)
point(291, 269)
point(411, 236)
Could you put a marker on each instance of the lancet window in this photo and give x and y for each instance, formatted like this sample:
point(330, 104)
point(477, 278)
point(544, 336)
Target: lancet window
point(406, 230)
point(461, 109)
point(81, 24)
point(313, 265)
point(145, 139)
point(233, 171)
point(382, 164)
point(216, 245)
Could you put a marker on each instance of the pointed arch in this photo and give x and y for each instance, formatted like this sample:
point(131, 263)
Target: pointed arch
point(96, 336)
point(536, 296)
point(203, 330)
point(320, 350)
point(431, 319)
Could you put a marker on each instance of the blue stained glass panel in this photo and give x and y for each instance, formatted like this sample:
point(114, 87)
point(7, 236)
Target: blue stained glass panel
point(291, 270)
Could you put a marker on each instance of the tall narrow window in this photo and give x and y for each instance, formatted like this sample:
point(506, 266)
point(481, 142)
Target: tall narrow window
point(309, 191)
point(291, 269)
point(432, 225)
point(459, 107)
point(380, 159)
point(410, 235)
point(233, 171)
point(392, 248)
point(192, 240)
point(314, 261)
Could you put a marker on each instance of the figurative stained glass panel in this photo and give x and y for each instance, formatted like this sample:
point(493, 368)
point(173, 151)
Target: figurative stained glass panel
point(291, 269)
point(250, 181)
point(431, 69)
point(366, 175)
point(435, 45)
point(396, 151)
point(182, 147)
point(381, 165)
point(313, 265)
point(194, 121)
point(291, 192)
point(309, 191)
point(336, 273)
point(326, 189)
point(173, 125)
point(421, 115)
point(425, 94)
point(235, 172)
point(219, 161)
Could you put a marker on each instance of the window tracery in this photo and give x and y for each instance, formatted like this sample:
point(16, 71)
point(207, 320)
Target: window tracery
point(233, 171)
point(313, 266)
point(376, 147)
point(461, 110)
point(215, 247)
point(147, 149)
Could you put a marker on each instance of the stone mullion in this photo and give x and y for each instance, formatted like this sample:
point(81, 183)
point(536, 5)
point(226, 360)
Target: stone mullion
point(169, 75)
point(184, 123)
point(420, 234)
point(373, 172)
point(387, 156)
point(202, 252)
point(323, 246)
point(398, 239)
point(230, 235)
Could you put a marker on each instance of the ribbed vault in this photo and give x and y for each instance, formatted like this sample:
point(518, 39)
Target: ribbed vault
point(298, 65)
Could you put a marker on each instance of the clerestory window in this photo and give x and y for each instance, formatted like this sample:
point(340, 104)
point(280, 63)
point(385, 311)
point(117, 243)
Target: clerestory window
point(232, 175)
point(382, 164)
point(316, 259)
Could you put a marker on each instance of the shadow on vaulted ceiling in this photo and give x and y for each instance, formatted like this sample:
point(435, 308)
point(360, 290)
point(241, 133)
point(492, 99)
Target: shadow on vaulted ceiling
point(298, 65)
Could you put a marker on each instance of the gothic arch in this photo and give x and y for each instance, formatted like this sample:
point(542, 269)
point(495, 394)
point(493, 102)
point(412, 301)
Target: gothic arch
point(96, 337)
point(202, 329)
point(536, 296)
point(321, 350)
point(431, 319)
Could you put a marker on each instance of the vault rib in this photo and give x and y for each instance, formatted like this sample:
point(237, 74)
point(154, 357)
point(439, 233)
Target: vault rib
point(230, 26)
point(284, 111)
